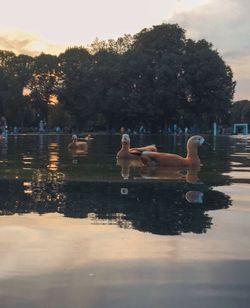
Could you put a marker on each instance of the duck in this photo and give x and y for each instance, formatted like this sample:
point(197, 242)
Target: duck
point(88, 138)
point(133, 153)
point(192, 159)
point(78, 146)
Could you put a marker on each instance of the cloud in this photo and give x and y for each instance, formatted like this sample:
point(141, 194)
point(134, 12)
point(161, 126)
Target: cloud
point(223, 22)
point(17, 42)
point(27, 43)
point(226, 24)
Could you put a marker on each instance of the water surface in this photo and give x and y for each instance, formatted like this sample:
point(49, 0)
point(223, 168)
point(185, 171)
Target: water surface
point(85, 230)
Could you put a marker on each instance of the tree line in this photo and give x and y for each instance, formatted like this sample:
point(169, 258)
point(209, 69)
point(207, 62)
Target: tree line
point(155, 78)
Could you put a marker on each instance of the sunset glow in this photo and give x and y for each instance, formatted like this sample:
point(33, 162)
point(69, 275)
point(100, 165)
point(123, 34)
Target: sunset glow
point(78, 23)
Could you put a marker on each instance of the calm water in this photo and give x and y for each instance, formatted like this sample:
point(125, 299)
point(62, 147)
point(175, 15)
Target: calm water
point(83, 230)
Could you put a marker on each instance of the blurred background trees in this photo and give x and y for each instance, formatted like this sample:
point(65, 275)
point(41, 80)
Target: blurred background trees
point(155, 78)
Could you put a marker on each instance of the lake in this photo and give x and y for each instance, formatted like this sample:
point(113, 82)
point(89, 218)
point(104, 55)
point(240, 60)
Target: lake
point(86, 230)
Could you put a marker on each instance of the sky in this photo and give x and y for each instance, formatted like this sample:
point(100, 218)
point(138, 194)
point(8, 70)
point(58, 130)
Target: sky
point(50, 26)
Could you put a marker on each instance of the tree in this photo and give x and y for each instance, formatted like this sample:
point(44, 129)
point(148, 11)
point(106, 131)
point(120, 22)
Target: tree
point(59, 117)
point(119, 46)
point(43, 84)
point(153, 68)
point(106, 96)
point(15, 72)
point(240, 112)
point(207, 83)
point(74, 94)
point(156, 78)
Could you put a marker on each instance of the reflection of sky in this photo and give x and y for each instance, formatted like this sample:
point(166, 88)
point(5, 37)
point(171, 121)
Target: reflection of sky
point(33, 244)
point(239, 193)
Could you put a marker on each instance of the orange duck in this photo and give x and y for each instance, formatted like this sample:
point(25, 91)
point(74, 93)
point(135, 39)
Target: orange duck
point(77, 146)
point(133, 153)
point(87, 138)
point(173, 160)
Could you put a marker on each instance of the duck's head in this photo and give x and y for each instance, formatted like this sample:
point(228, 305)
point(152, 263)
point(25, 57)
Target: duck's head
point(125, 139)
point(195, 141)
point(74, 137)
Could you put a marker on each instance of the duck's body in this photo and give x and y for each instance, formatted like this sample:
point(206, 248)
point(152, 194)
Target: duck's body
point(88, 138)
point(173, 160)
point(132, 153)
point(77, 145)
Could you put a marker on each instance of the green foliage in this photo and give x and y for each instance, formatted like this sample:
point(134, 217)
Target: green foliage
point(15, 73)
point(43, 83)
point(208, 84)
point(59, 117)
point(155, 78)
point(119, 46)
point(240, 112)
point(74, 92)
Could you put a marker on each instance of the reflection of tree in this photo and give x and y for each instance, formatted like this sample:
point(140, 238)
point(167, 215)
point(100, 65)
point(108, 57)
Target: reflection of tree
point(153, 207)
point(156, 207)
point(216, 161)
point(45, 186)
point(3, 147)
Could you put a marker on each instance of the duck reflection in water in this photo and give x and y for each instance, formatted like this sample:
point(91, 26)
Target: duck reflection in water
point(189, 174)
point(126, 164)
point(193, 196)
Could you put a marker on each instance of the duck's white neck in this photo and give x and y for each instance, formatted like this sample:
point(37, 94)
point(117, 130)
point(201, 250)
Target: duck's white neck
point(124, 151)
point(125, 146)
point(192, 151)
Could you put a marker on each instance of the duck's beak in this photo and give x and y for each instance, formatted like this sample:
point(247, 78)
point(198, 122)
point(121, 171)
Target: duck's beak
point(206, 143)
